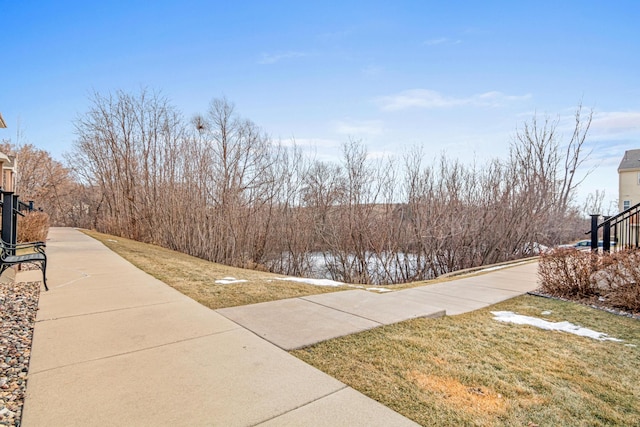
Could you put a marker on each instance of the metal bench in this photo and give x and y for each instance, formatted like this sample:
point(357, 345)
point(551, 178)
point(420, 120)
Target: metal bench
point(8, 257)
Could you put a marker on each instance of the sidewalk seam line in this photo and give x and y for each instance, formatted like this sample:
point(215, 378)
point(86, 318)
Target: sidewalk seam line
point(342, 311)
point(105, 311)
point(301, 406)
point(469, 299)
point(132, 351)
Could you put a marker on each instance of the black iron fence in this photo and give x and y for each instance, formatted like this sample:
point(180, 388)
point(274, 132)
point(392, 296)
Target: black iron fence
point(11, 207)
point(621, 230)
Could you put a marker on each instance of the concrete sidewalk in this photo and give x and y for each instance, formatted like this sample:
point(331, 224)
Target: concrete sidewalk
point(300, 322)
point(114, 346)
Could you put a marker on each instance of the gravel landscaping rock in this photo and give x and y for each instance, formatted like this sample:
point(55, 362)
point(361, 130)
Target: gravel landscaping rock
point(18, 308)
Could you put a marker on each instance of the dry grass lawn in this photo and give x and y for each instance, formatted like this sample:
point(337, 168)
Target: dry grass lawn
point(473, 370)
point(196, 277)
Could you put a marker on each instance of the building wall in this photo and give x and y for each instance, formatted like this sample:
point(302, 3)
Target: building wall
point(629, 187)
point(7, 180)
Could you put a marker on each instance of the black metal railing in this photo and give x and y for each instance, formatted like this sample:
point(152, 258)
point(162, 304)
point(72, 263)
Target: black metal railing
point(11, 207)
point(622, 229)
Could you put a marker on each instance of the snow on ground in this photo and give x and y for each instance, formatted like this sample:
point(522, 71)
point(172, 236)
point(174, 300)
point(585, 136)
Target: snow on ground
point(371, 289)
point(500, 267)
point(510, 317)
point(327, 282)
point(229, 281)
point(380, 290)
point(316, 282)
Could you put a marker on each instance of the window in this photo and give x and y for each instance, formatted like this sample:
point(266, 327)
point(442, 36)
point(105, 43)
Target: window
point(626, 205)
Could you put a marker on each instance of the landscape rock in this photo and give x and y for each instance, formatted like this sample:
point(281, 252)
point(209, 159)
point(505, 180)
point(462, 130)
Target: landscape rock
point(18, 308)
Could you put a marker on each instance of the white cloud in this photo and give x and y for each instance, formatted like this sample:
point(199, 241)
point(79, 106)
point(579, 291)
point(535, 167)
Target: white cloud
point(320, 143)
point(381, 154)
point(372, 71)
point(616, 122)
point(425, 98)
point(335, 35)
point(322, 149)
point(421, 98)
point(605, 125)
point(272, 58)
point(496, 98)
point(440, 41)
point(358, 127)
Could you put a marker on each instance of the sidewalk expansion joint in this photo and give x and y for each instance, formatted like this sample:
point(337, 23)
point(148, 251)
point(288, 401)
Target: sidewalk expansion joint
point(104, 311)
point(112, 356)
point(301, 406)
point(444, 294)
point(342, 311)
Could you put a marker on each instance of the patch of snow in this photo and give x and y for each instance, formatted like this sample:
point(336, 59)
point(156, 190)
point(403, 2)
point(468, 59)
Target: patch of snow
point(229, 281)
point(546, 313)
point(316, 282)
point(371, 289)
point(631, 345)
point(380, 290)
point(510, 317)
point(111, 240)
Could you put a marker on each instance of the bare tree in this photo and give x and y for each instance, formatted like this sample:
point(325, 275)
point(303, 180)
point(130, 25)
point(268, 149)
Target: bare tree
point(221, 189)
point(125, 145)
point(548, 170)
point(574, 158)
point(240, 183)
point(43, 180)
point(594, 203)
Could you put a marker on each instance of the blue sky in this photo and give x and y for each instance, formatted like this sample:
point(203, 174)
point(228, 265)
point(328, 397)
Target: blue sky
point(453, 77)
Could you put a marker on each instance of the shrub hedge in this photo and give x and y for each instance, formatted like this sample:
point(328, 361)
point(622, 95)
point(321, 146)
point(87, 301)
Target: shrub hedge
point(611, 278)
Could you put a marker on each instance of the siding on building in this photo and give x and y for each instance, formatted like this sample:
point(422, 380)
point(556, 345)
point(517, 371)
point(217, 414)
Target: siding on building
point(629, 180)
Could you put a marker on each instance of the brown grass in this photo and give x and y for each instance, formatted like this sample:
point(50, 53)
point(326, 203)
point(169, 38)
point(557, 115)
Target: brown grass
point(196, 278)
point(477, 400)
point(473, 370)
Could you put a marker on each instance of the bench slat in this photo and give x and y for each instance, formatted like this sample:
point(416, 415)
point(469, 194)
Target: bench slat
point(7, 259)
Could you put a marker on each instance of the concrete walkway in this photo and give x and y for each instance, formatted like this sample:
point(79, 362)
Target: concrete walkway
point(299, 322)
point(114, 346)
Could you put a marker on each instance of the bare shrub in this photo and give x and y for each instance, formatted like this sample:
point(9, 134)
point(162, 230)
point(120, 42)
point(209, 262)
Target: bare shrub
point(626, 297)
point(613, 278)
point(33, 227)
point(623, 280)
point(568, 273)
